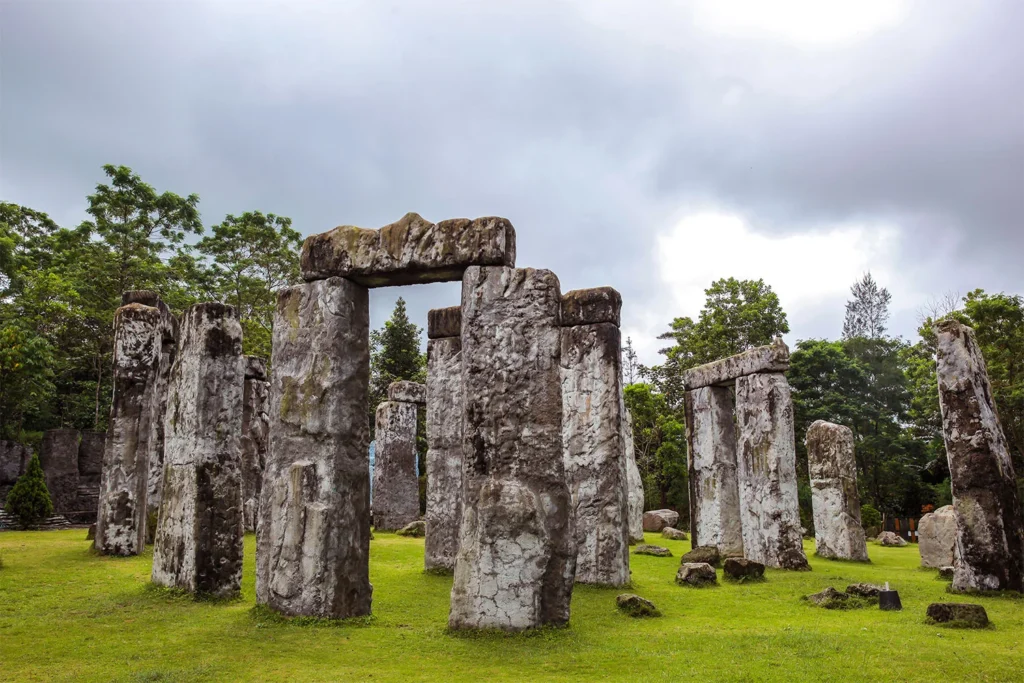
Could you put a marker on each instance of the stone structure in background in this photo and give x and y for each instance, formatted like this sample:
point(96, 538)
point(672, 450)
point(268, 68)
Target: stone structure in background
point(14, 459)
point(656, 520)
point(198, 545)
point(838, 534)
point(633, 481)
point(517, 552)
point(255, 434)
point(90, 470)
point(58, 454)
point(990, 538)
point(405, 391)
point(936, 537)
point(444, 438)
point(396, 491)
point(593, 419)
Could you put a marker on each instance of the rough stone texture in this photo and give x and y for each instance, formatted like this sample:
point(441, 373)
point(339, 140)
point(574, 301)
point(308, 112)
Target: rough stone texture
point(134, 411)
point(740, 569)
point(58, 454)
point(591, 306)
point(444, 322)
point(766, 470)
point(396, 491)
point(946, 573)
point(14, 459)
point(830, 598)
point(635, 606)
point(198, 544)
point(707, 554)
point(838, 533)
point(656, 520)
point(595, 459)
point(714, 489)
point(655, 550)
point(772, 358)
point(990, 533)
point(313, 537)
point(865, 590)
point(673, 534)
point(891, 539)
point(90, 453)
point(696, 574)
point(965, 615)
point(255, 437)
point(517, 550)
point(408, 392)
point(168, 351)
point(415, 529)
point(444, 453)
point(936, 537)
point(634, 481)
point(409, 251)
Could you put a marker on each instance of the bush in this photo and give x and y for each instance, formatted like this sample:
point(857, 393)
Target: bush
point(869, 516)
point(29, 501)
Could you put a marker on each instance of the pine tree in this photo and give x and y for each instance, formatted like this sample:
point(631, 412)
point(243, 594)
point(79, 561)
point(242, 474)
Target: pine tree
point(630, 363)
point(394, 355)
point(868, 311)
point(29, 500)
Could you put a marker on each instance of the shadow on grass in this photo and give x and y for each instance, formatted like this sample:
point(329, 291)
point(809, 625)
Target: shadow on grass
point(994, 595)
point(264, 616)
point(545, 633)
point(177, 595)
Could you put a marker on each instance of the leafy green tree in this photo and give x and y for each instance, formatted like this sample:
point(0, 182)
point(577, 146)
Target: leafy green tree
point(868, 312)
point(29, 501)
point(26, 375)
point(659, 440)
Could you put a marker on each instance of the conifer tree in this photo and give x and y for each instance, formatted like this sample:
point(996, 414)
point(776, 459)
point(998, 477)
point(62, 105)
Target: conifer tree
point(29, 501)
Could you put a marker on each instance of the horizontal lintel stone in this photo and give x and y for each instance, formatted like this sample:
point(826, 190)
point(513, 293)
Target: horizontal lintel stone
point(771, 358)
point(407, 392)
point(591, 306)
point(444, 322)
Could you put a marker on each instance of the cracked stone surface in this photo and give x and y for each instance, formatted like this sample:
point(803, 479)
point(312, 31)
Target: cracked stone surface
point(517, 551)
point(444, 452)
point(313, 537)
point(409, 392)
point(595, 458)
point(396, 491)
point(58, 454)
point(410, 251)
point(168, 351)
point(766, 471)
point(771, 358)
point(255, 436)
point(714, 488)
point(198, 544)
point(634, 481)
point(990, 533)
point(591, 306)
point(443, 323)
point(936, 537)
point(838, 533)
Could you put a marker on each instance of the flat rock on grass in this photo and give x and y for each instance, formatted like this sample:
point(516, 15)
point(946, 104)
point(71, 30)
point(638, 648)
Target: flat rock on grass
point(656, 550)
point(889, 538)
point(864, 590)
point(704, 553)
point(673, 534)
point(635, 606)
point(958, 614)
point(417, 529)
point(741, 569)
point(696, 574)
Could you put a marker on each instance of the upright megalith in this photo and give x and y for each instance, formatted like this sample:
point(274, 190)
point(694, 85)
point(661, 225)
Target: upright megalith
point(134, 410)
point(313, 538)
point(936, 538)
point(396, 492)
point(592, 432)
point(198, 545)
point(517, 552)
point(838, 534)
point(634, 481)
point(255, 433)
point(990, 540)
point(58, 455)
point(444, 438)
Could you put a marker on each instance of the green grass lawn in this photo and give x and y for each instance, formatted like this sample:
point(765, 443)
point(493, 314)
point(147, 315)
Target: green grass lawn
point(67, 614)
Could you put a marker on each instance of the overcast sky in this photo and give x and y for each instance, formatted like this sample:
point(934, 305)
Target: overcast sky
point(650, 146)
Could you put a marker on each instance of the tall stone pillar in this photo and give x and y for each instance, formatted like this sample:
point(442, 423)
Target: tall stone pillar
point(396, 491)
point(444, 438)
point(198, 545)
point(255, 433)
point(766, 470)
point(313, 538)
point(838, 533)
point(989, 554)
point(634, 481)
point(592, 430)
point(715, 518)
point(121, 521)
point(517, 552)
point(58, 455)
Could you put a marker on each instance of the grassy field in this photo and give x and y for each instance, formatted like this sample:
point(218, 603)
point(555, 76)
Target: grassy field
point(66, 614)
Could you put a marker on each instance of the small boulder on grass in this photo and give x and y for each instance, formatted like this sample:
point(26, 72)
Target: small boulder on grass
point(891, 539)
point(958, 614)
point(741, 569)
point(635, 606)
point(673, 534)
point(707, 554)
point(656, 550)
point(830, 598)
point(417, 529)
point(864, 590)
point(946, 573)
point(696, 574)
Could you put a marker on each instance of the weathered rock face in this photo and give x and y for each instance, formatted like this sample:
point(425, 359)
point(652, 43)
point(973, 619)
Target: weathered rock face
point(444, 452)
point(936, 537)
point(708, 554)
point(714, 491)
point(255, 436)
point(634, 481)
point(417, 529)
point(409, 251)
point(740, 569)
point(696, 574)
point(444, 323)
point(964, 615)
point(198, 545)
point(591, 306)
point(766, 470)
point(595, 459)
point(90, 453)
point(990, 537)
point(313, 539)
point(58, 455)
point(772, 358)
point(396, 493)
point(408, 392)
point(517, 549)
point(838, 533)
point(891, 539)
point(656, 520)
point(134, 410)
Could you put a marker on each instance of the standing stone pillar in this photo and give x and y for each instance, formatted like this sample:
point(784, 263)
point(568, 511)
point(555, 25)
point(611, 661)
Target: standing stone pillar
point(989, 552)
point(444, 438)
point(838, 533)
point(517, 552)
point(255, 432)
point(715, 518)
point(198, 545)
point(766, 470)
point(313, 537)
point(634, 481)
point(121, 520)
point(592, 429)
point(58, 455)
point(396, 490)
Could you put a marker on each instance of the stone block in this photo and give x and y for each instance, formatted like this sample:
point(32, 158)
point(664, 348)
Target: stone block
point(591, 307)
point(634, 481)
point(656, 520)
point(706, 554)
point(168, 351)
point(965, 615)
point(255, 437)
point(396, 491)
point(444, 453)
point(14, 459)
point(408, 392)
point(58, 455)
point(838, 534)
point(444, 322)
point(90, 453)
point(771, 358)
point(936, 537)
point(696, 575)
point(740, 569)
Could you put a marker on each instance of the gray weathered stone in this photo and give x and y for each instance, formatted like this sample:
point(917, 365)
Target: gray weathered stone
point(255, 437)
point(838, 533)
point(313, 538)
point(256, 368)
point(168, 351)
point(772, 358)
point(714, 489)
point(936, 537)
point(58, 454)
point(990, 533)
point(444, 322)
point(517, 551)
point(595, 459)
point(741, 569)
point(408, 392)
point(635, 606)
point(696, 574)
point(865, 590)
point(655, 550)
point(891, 539)
point(90, 453)
point(396, 491)
point(656, 520)
point(14, 459)
point(964, 615)
point(766, 470)
point(134, 410)
point(409, 251)
point(198, 544)
point(634, 481)
point(444, 453)
point(673, 534)
point(417, 529)
point(591, 306)
point(708, 554)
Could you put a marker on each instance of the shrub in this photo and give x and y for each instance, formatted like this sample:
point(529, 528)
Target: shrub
point(869, 516)
point(29, 501)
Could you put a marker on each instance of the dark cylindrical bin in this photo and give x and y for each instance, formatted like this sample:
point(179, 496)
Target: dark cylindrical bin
point(889, 600)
